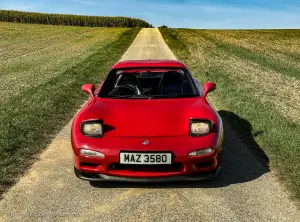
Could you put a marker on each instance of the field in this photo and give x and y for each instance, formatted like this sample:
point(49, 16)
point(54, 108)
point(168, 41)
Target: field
point(70, 20)
point(258, 83)
point(42, 69)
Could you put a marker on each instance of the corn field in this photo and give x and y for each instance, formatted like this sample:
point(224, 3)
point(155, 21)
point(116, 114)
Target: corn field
point(70, 20)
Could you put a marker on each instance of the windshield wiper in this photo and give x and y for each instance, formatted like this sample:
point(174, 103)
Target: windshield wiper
point(119, 97)
point(174, 96)
point(130, 96)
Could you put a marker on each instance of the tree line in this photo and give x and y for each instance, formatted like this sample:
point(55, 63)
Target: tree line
point(70, 20)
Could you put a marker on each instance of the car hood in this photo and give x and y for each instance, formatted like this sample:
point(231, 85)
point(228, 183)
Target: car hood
point(149, 118)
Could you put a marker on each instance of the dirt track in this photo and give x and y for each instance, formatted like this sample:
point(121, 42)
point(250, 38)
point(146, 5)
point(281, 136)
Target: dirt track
point(245, 191)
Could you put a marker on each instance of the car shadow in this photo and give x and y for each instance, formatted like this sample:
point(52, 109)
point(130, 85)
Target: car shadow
point(242, 159)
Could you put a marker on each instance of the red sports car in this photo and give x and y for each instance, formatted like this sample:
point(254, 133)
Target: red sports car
point(148, 121)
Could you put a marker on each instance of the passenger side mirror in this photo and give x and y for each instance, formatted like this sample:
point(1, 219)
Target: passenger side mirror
point(209, 87)
point(90, 89)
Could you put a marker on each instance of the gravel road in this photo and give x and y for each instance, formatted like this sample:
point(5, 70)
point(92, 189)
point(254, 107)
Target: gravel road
point(245, 190)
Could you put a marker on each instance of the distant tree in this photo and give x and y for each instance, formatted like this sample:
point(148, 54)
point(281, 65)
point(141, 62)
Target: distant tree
point(163, 27)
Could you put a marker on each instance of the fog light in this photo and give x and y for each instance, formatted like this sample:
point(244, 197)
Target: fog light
point(91, 153)
point(201, 152)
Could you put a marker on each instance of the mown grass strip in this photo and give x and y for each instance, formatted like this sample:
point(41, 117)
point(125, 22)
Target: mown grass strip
point(173, 39)
point(254, 56)
point(30, 121)
point(273, 133)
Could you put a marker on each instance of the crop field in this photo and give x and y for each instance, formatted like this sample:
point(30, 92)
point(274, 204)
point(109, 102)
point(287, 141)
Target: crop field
point(258, 83)
point(70, 20)
point(42, 69)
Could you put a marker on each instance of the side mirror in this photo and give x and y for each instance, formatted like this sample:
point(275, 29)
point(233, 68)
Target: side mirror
point(209, 87)
point(90, 89)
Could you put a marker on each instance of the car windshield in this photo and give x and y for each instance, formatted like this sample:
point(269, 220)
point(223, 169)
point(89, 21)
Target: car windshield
point(149, 83)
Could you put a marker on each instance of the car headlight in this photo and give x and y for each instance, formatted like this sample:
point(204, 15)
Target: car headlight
point(91, 153)
point(200, 127)
point(92, 128)
point(201, 152)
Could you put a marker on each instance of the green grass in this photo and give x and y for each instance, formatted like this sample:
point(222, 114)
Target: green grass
point(258, 57)
point(257, 80)
point(42, 69)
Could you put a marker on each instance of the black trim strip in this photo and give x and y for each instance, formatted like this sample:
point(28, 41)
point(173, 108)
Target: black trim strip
point(192, 177)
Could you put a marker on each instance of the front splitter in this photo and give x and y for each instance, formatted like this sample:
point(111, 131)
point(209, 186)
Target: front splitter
point(103, 177)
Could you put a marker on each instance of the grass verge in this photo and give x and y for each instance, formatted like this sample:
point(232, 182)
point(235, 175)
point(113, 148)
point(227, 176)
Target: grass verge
point(32, 116)
point(237, 92)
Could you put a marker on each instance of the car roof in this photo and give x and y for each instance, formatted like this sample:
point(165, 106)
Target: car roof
point(149, 63)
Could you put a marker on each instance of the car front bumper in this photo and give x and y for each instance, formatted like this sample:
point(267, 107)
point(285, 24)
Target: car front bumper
point(108, 178)
point(183, 167)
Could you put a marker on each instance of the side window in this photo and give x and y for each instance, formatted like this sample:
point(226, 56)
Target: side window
point(198, 86)
point(194, 83)
point(188, 89)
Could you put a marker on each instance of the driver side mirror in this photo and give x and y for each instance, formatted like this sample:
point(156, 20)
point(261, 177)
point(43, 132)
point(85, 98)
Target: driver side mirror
point(90, 89)
point(209, 87)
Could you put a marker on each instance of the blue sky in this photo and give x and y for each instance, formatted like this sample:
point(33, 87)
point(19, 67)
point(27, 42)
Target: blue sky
point(230, 14)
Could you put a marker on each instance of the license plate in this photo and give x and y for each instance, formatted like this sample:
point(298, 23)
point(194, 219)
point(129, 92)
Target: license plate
point(145, 158)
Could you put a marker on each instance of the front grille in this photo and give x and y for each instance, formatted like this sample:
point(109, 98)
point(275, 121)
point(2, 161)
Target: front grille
point(174, 167)
point(203, 164)
point(82, 164)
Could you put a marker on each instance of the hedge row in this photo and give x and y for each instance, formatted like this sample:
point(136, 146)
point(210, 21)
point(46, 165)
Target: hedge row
point(71, 20)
